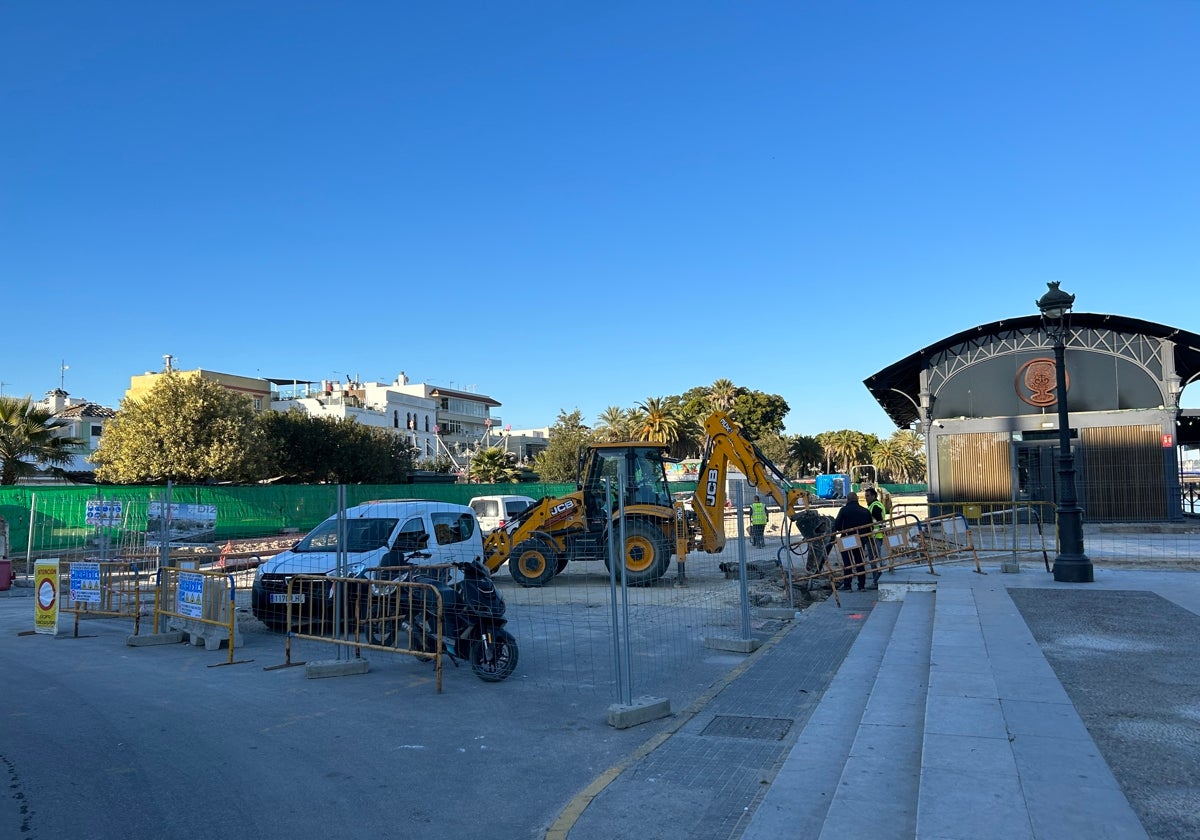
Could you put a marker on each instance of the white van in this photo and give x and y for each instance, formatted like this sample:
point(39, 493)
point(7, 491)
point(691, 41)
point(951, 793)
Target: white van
point(383, 533)
point(494, 511)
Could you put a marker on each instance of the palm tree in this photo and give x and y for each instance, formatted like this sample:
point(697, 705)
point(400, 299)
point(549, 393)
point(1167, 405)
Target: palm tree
point(847, 447)
point(890, 458)
point(657, 422)
point(613, 424)
point(493, 466)
point(32, 437)
point(825, 439)
point(722, 395)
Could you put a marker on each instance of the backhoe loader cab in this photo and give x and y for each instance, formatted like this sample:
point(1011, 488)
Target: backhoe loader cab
point(556, 530)
point(645, 474)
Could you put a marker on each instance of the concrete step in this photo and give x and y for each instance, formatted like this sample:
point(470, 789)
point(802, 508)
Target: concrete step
point(876, 796)
point(799, 798)
point(1005, 753)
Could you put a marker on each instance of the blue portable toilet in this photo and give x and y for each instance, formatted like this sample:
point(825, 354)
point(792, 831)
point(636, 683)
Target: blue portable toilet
point(833, 486)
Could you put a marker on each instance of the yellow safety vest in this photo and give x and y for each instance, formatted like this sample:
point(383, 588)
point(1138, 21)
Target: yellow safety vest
point(758, 514)
point(877, 528)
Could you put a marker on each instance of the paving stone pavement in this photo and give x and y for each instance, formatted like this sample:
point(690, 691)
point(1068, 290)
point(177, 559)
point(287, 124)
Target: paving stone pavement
point(1051, 710)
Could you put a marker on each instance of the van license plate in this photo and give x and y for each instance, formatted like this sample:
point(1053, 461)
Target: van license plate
point(284, 598)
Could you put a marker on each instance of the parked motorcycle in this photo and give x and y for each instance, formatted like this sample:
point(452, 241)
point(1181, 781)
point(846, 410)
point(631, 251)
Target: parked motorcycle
point(472, 626)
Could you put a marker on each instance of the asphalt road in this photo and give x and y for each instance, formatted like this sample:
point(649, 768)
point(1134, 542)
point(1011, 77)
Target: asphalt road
point(101, 740)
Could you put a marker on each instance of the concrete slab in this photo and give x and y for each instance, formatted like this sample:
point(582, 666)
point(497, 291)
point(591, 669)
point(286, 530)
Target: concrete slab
point(641, 710)
point(336, 668)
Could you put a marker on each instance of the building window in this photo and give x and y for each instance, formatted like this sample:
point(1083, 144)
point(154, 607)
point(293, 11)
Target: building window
point(258, 403)
point(427, 422)
point(395, 419)
point(97, 429)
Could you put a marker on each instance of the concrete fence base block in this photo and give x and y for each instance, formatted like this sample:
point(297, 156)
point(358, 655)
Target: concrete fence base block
point(784, 613)
point(173, 637)
point(641, 710)
point(1010, 567)
point(336, 668)
point(735, 645)
point(212, 636)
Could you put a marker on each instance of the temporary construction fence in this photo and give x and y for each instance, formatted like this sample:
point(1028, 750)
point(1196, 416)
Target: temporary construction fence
point(43, 521)
point(869, 551)
point(359, 614)
point(113, 589)
point(201, 604)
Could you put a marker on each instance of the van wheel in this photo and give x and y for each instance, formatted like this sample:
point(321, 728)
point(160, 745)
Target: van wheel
point(533, 562)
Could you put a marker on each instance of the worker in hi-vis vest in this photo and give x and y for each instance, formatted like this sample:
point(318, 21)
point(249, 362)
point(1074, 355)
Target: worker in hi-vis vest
point(758, 523)
point(878, 514)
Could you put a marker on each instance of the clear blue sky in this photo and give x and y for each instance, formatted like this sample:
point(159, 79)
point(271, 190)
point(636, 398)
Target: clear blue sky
point(576, 205)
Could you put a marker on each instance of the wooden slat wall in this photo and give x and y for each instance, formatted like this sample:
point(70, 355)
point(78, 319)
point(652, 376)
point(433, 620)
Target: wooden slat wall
point(974, 467)
point(1123, 479)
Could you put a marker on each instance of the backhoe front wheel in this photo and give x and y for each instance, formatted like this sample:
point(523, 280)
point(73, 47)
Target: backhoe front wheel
point(647, 553)
point(533, 562)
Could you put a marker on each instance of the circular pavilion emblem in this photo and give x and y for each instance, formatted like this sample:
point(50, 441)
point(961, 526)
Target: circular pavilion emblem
point(1036, 383)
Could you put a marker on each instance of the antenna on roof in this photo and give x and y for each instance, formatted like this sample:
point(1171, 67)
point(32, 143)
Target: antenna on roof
point(62, 374)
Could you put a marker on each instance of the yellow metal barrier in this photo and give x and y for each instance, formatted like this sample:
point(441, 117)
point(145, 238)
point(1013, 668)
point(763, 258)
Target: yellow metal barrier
point(102, 589)
point(200, 603)
point(998, 527)
point(393, 616)
point(907, 541)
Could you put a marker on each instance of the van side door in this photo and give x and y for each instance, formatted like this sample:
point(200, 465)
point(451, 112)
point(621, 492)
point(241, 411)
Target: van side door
point(456, 534)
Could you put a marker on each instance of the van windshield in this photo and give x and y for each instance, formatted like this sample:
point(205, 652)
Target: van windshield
point(361, 535)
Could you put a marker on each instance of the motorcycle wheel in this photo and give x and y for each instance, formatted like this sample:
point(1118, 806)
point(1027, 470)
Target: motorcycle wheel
point(497, 661)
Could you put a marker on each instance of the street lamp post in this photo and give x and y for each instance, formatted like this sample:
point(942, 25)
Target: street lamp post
point(1071, 565)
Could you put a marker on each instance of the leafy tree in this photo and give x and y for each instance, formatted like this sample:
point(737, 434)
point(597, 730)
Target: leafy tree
point(30, 438)
point(775, 448)
point(560, 459)
point(318, 450)
point(440, 464)
point(760, 414)
point(186, 429)
point(494, 466)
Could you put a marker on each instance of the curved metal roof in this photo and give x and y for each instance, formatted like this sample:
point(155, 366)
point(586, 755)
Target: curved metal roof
point(897, 388)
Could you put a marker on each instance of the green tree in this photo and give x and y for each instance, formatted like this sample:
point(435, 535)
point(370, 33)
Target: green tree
point(31, 438)
point(722, 395)
point(494, 466)
point(186, 429)
point(560, 459)
point(805, 454)
point(657, 421)
point(760, 414)
point(902, 456)
point(327, 450)
point(614, 424)
point(847, 447)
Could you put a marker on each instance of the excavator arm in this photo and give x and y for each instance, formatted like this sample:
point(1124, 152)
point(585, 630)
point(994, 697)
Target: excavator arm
point(727, 445)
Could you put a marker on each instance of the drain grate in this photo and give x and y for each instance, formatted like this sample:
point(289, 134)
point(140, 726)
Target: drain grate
point(735, 726)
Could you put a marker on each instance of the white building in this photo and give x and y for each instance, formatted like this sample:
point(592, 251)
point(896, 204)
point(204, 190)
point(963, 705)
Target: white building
point(84, 420)
point(382, 406)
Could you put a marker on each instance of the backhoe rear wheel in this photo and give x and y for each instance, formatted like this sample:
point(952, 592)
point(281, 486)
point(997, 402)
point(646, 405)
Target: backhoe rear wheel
point(647, 553)
point(533, 562)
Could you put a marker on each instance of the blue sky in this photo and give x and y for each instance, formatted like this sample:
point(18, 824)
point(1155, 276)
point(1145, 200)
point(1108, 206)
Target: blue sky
point(577, 205)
